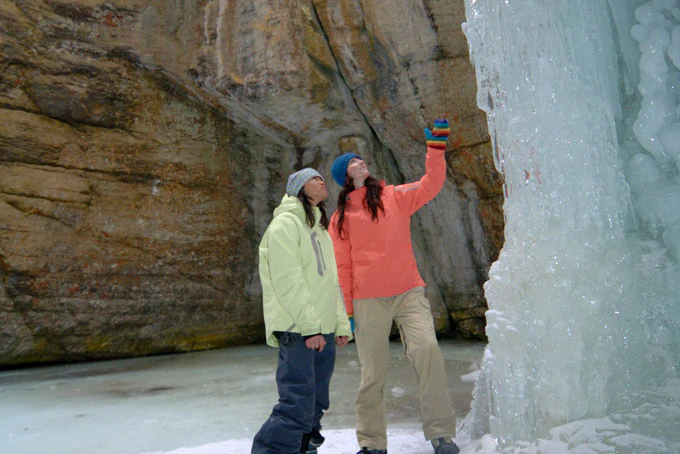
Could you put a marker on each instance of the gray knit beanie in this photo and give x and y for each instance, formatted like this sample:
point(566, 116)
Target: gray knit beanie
point(300, 178)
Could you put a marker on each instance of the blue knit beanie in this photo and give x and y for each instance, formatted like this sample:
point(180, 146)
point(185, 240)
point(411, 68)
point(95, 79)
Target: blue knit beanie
point(339, 167)
point(297, 180)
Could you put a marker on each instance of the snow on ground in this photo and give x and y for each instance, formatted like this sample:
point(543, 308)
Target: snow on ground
point(401, 441)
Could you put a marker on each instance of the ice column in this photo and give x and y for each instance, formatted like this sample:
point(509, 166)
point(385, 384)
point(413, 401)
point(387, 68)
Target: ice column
point(577, 299)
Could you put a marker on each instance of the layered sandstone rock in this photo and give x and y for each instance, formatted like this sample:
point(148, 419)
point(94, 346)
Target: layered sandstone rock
point(144, 144)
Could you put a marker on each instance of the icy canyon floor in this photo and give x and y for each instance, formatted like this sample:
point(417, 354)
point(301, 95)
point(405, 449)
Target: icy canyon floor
point(200, 403)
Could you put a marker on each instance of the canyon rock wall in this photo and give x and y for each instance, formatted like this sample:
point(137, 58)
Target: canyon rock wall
point(145, 143)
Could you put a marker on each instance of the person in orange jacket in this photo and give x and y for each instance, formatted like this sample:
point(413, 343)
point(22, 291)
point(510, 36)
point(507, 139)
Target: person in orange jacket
point(381, 284)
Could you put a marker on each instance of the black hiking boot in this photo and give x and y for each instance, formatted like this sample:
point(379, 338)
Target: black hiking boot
point(365, 450)
point(311, 441)
point(444, 446)
point(316, 439)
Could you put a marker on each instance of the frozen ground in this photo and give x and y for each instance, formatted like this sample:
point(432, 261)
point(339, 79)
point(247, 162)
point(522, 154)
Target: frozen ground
point(199, 403)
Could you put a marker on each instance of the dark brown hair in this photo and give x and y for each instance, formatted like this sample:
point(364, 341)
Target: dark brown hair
point(309, 211)
point(372, 201)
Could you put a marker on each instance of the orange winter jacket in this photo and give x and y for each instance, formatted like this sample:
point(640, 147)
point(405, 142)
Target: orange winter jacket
point(375, 259)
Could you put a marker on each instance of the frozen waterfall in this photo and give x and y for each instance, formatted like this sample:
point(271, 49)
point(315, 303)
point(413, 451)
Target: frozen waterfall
point(582, 100)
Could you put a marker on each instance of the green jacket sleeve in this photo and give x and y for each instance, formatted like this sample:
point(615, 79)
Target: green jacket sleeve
point(342, 326)
point(287, 276)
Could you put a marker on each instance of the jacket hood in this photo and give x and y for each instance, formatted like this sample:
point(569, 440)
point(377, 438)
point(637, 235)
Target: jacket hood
point(294, 205)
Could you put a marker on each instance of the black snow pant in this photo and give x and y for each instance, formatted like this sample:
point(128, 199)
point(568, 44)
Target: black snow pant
point(303, 378)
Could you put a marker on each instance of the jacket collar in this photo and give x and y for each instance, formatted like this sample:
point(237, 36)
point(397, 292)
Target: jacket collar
point(361, 192)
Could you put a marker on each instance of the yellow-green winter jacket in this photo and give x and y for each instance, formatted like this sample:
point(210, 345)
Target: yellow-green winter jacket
point(300, 290)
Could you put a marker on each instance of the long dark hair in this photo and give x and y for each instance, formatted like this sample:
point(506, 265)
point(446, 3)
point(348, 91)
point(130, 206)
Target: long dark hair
point(372, 202)
point(309, 211)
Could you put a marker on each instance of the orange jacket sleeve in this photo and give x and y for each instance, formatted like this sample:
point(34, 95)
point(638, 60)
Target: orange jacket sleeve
point(343, 258)
point(412, 196)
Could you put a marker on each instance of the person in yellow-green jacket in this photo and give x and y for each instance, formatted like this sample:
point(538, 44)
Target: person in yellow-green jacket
point(304, 315)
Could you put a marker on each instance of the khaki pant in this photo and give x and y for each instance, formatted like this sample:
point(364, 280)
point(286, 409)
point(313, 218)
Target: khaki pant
point(373, 322)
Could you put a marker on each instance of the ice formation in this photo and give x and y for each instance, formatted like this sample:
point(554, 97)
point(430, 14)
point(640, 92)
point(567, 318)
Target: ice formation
point(582, 101)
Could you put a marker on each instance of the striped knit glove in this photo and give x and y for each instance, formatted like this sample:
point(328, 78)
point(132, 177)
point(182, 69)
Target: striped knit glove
point(440, 132)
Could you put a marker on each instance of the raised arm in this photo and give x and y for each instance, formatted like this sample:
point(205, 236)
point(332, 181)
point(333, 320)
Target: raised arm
point(412, 196)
